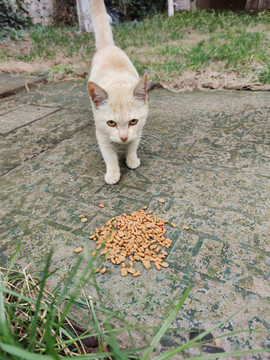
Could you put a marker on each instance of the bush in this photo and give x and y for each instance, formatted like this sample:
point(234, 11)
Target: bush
point(13, 21)
point(65, 12)
point(11, 17)
point(138, 9)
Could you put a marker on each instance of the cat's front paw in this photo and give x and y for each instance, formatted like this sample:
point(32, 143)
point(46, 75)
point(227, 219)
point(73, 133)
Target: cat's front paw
point(133, 162)
point(112, 177)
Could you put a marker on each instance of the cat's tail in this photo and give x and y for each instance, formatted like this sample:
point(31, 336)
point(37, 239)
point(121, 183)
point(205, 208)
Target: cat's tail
point(101, 24)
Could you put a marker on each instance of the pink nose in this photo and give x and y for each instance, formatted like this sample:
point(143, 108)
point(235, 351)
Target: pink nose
point(124, 139)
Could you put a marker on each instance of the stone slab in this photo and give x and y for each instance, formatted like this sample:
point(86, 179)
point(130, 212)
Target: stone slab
point(22, 115)
point(205, 153)
point(10, 84)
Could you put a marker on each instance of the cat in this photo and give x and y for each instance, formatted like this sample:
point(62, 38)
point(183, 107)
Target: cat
point(118, 96)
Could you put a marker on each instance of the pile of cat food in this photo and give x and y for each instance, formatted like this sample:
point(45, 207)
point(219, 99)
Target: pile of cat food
point(139, 236)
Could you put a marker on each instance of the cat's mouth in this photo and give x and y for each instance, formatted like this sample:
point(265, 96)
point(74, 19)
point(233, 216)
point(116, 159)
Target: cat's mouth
point(123, 141)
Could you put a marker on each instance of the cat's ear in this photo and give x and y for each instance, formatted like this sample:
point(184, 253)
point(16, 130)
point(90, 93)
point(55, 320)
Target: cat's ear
point(140, 90)
point(97, 94)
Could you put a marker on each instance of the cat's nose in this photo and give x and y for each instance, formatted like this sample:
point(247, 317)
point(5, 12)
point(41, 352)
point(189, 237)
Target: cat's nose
point(123, 138)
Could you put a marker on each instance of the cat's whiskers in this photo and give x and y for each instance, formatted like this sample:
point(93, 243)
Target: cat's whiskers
point(149, 135)
point(144, 144)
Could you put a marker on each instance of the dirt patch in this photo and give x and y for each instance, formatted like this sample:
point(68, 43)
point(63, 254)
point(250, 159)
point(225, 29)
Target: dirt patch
point(14, 48)
point(67, 68)
point(261, 28)
point(209, 79)
point(21, 67)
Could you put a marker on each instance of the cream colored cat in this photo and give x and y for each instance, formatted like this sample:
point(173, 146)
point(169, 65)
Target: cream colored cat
point(118, 97)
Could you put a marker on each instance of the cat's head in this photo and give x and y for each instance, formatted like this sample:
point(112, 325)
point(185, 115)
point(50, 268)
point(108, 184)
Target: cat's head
point(120, 112)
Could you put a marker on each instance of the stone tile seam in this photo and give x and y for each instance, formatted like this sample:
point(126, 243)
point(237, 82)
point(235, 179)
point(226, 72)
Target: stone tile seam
point(49, 148)
point(29, 123)
point(23, 88)
point(10, 111)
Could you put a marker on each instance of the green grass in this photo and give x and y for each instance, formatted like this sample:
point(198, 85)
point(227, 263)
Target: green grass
point(160, 29)
point(163, 47)
point(36, 323)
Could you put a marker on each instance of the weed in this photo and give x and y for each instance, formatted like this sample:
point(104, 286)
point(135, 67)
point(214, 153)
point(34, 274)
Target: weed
point(36, 323)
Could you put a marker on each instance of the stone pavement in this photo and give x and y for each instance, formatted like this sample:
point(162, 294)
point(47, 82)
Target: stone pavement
point(205, 153)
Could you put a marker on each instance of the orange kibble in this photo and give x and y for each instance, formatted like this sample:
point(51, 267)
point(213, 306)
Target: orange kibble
point(101, 206)
point(185, 227)
point(146, 264)
point(131, 270)
point(173, 225)
point(135, 237)
point(161, 201)
point(164, 264)
point(78, 250)
point(102, 271)
point(124, 272)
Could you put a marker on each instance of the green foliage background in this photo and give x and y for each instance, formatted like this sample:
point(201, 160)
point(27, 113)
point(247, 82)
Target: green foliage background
point(138, 9)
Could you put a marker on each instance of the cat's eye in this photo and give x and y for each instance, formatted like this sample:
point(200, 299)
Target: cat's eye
point(133, 122)
point(111, 123)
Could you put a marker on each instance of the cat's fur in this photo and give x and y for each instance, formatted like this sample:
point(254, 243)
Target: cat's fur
point(117, 94)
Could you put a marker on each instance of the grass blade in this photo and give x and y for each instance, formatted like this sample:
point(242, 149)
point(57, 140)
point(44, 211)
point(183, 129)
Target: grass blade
point(192, 342)
point(112, 342)
point(13, 260)
point(5, 334)
point(166, 324)
point(38, 304)
point(23, 354)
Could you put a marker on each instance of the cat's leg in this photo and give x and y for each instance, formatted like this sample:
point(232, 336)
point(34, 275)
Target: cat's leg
point(132, 159)
point(110, 157)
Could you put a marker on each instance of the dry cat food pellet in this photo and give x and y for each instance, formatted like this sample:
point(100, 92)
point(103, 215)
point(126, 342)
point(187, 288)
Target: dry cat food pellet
point(164, 212)
point(185, 227)
point(124, 272)
point(78, 250)
point(146, 264)
point(161, 201)
point(84, 220)
point(218, 343)
point(131, 270)
point(102, 271)
point(173, 224)
point(101, 206)
point(164, 264)
point(139, 236)
point(81, 216)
